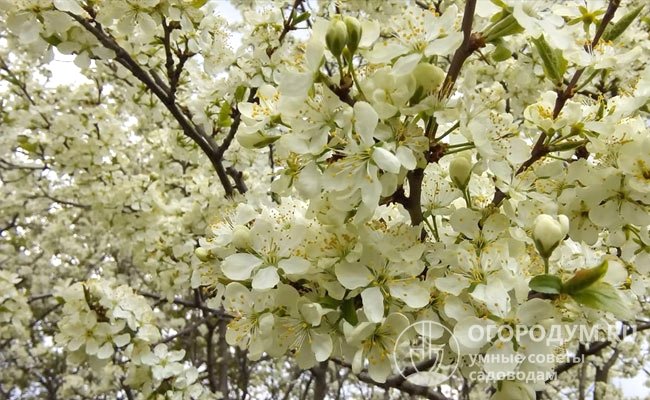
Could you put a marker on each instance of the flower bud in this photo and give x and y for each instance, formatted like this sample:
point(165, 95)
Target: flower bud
point(241, 237)
point(346, 53)
point(336, 37)
point(460, 170)
point(354, 33)
point(428, 76)
point(549, 232)
point(202, 254)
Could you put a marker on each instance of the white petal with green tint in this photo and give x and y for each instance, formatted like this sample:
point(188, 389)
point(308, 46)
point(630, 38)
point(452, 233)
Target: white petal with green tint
point(352, 275)
point(322, 346)
point(373, 304)
point(365, 121)
point(413, 294)
point(239, 267)
point(266, 278)
point(386, 160)
point(294, 265)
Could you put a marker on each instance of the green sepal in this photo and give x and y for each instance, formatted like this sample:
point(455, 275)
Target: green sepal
point(26, 145)
point(266, 141)
point(507, 26)
point(239, 93)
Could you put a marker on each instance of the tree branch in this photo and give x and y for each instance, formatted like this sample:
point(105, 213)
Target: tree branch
point(210, 359)
point(413, 203)
point(399, 382)
point(224, 360)
point(319, 373)
point(471, 42)
point(188, 329)
point(164, 94)
point(187, 303)
point(11, 77)
point(11, 224)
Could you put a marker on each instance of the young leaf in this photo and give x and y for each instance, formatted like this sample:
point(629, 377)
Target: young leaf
point(198, 3)
point(224, 115)
point(302, 17)
point(602, 296)
point(553, 61)
point(549, 284)
point(501, 53)
point(507, 26)
point(349, 311)
point(585, 278)
point(622, 24)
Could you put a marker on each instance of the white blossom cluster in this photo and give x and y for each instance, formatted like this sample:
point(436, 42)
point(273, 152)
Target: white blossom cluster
point(484, 165)
point(103, 323)
point(363, 265)
point(14, 310)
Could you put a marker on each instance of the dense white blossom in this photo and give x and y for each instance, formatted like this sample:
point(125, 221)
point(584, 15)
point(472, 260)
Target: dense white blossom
point(300, 184)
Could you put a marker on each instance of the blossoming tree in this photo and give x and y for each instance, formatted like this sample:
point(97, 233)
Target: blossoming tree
point(262, 207)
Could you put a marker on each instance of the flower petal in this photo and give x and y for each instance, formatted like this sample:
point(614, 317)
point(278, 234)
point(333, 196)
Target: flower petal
point(386, 160)
point(266, 278)
point(373, 304)
point(239, 267)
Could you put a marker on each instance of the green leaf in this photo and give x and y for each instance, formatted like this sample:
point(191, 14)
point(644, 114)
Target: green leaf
point(349, 311)
point(602, 296)
point(570, 145)
point(585, 278)
point(329, 302)
point(616, 30)
point(26, 145)
point(239, 93)
point(553, 61)
point(54, 40)
point(302, 17)
point(266, 141)
point(550, 284)
point(198, 3)
point(507, 26)
point(224, 115)
point(501, 53)
point(574, 21)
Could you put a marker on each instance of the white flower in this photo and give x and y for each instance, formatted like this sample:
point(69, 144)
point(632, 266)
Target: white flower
point(253, 319)
point(164, 364)
point(375, 343)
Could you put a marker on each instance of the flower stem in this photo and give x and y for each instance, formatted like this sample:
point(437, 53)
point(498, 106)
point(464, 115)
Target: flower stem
point(546, 265)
